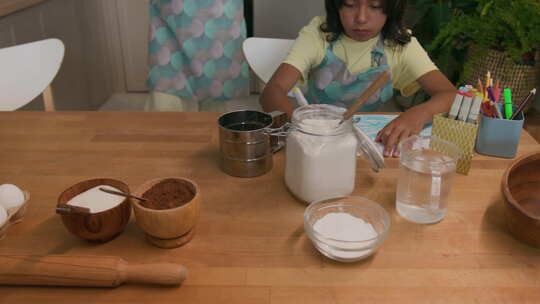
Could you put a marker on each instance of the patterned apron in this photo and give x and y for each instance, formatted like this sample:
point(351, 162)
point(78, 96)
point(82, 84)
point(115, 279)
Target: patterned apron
point(195, 49)
point(332, 83)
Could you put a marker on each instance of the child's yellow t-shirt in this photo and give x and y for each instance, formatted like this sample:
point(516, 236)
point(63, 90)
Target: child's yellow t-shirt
point(407, 63)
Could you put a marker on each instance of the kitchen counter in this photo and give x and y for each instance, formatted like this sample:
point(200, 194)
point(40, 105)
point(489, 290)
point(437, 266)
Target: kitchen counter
point(249, 244)
point(10, 6)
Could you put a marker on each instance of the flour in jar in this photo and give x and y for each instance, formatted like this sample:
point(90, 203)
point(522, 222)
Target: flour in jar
point(321, 159)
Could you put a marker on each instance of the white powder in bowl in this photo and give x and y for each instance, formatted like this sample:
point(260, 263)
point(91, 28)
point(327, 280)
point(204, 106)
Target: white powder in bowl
point(347, 228)
point(97, 200)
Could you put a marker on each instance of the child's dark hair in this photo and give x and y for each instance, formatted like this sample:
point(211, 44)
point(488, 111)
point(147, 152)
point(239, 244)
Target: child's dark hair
point(394, 32)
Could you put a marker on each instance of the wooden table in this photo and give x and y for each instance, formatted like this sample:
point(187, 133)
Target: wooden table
point(250, 245)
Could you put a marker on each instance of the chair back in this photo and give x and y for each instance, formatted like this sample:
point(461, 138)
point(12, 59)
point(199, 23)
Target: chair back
point(264, 55)
point(27, 71)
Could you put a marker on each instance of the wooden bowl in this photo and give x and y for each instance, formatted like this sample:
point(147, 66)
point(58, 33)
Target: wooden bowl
point(171, 211)
point(102, 226)
point(521, 191)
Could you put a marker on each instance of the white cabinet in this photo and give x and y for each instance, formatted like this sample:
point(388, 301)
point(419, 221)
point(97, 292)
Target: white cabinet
point(84, 81)
point(133, 20)
point(283, 18)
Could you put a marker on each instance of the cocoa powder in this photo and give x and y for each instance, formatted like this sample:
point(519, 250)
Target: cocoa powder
point(168, 194)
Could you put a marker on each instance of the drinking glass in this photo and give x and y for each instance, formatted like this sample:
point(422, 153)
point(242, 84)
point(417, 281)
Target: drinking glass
point(427, 169)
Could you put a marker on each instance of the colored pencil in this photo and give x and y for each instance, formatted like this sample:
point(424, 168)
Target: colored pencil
point(524, 103)
point(481, 88)
point(497, 91)
point(497, 110)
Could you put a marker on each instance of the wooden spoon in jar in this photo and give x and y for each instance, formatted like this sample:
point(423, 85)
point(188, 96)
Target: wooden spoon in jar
point(375, 85)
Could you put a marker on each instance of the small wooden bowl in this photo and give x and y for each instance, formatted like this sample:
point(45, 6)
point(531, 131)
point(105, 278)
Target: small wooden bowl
point(102, 226)
point(521, 191)
point(174, 226)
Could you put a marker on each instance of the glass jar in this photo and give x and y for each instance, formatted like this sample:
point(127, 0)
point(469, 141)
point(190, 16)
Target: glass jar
point(320, 154)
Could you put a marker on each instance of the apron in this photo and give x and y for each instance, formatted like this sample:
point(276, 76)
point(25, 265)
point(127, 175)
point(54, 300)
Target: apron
point(332, 83)
point(195, 49)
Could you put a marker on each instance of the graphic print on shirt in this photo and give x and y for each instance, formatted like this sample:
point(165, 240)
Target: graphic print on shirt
point(332, 83)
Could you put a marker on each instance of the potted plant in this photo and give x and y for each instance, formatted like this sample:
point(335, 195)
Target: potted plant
point(426, 18)
point(499, 36)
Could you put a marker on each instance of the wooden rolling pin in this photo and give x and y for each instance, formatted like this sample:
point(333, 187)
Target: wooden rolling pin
point(86, 271)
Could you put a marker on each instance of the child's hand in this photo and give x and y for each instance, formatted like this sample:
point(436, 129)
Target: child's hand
point(442, 94)
point(407, 124)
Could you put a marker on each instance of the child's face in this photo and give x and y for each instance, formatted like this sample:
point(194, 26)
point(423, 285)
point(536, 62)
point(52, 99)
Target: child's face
point(362, 19)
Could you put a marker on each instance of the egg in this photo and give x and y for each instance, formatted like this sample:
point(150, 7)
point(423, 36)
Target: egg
point(3, 216)
point(11, 196)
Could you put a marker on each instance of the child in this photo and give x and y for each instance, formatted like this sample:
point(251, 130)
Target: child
point(341, 54)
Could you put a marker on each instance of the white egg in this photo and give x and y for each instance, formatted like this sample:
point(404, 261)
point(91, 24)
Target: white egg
point(11, 196)
point(3, 216)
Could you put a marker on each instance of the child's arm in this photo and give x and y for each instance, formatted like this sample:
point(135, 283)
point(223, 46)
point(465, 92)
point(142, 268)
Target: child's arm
point(411, 122)
point(274, 96)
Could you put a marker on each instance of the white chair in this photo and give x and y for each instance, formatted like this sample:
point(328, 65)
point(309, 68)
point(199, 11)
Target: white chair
point(264, 55)
point(27, 70)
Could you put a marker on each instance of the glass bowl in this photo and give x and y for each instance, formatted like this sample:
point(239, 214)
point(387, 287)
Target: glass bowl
point(346, 229)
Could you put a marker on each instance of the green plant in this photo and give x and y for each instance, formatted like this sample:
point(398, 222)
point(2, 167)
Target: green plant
point(427, 19)
point(512, 27)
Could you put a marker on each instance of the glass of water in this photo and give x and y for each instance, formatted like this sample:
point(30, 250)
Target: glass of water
point(427, 169)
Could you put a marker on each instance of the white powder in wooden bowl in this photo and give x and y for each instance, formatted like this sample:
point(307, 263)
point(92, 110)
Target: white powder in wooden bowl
point(97, 200)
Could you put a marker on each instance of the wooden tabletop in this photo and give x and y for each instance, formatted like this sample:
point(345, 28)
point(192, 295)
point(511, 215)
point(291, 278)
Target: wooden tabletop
point(250, 245)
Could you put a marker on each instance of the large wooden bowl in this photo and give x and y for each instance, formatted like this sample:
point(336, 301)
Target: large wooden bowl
point(102, 226)
point(521, 190)
point(174, 226)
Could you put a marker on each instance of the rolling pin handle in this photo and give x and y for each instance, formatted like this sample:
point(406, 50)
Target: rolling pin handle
point(87, 271)
point(166, 274)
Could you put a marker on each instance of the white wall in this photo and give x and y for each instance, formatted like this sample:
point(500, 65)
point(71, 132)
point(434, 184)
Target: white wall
point(283, 18)
point(85, 80)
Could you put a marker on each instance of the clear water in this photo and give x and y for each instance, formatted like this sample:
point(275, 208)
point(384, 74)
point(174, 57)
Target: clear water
point(424, 185)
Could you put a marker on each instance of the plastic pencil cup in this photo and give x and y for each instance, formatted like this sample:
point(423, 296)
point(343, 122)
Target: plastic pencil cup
point(499, 137)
